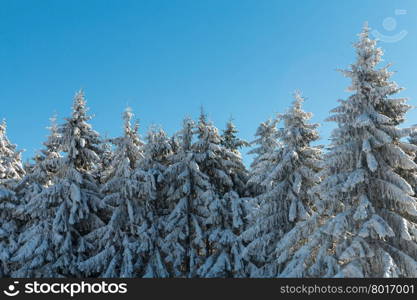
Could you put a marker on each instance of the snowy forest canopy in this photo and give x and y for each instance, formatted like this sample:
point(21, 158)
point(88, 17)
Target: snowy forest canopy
point(186, 206)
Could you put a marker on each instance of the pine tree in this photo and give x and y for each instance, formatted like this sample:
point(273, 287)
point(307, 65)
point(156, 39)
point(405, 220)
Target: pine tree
point(232, 144)
point(11, 172)
point(40, 176)
point(227, 178)
point(41, 173)
point(267, 141)
point(286, 199)
point(106, 158)
point(11, 168)
point(366, 222)
point(184, 242)
point(240, 206)
point(68, 209)
point(150, 173)
point(118, 242)
point(157, 157)
point(230, 140)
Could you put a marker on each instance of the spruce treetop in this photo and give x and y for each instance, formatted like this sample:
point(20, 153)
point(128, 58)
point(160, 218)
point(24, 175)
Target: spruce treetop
point(80, 141)
point(230, 139)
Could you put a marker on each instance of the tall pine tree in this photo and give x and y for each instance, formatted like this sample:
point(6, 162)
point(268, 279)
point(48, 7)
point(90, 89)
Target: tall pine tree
point(66, 211)
point(39, 177)
point(41, 173)
point(227, 178)
point(366, 223)
point(117, 243)
point(285, 199)
point(266, 144)
point(184, 242)
point(150, 173)
point(11, 172)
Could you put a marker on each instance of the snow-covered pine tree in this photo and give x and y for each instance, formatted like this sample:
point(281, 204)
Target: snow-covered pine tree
point(175, 144)
point(118, 242)
point(184, 242)
point(267, 143)
point(45, 166)
point(40, 176)
point(285, 200)
point(68, 209)
point(367, 213)
point(11, 173)
point(150, 173)
point(223, 165)
point(240, 206)
point(232, 144)
point(157, 157)
point(11, 168)
point(230, 140)
point(105, 160)
point(227, 178)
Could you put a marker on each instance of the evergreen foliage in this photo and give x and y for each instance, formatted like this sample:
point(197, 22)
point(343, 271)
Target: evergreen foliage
point(186, 205)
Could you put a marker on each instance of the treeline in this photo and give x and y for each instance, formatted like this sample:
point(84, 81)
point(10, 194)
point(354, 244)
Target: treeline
point(186, 206)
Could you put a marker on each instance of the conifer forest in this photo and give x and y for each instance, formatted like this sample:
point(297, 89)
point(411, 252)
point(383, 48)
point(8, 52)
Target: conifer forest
point(186, 206)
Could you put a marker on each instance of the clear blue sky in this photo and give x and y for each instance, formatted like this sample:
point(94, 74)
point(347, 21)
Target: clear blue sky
point(167, 58)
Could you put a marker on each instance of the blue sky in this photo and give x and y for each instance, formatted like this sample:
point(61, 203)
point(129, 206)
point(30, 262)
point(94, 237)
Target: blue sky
point(166, 58)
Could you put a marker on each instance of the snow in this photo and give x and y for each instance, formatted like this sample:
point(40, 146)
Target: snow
point(365, 199)
point(284, 199)
point(186, 206)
